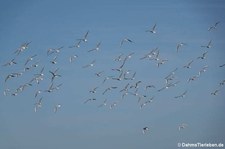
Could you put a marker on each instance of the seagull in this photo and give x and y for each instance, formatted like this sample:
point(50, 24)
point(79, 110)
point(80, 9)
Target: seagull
point(57, 107)
point(119, 58)
point(215, 92)
point(97, 48)
point(103, 104)
point(182, 126)
point(107, 78)
point(85, 37)
point(136, 85)
point(120, 77)
point(90, 99)
point(108, 89)
point(131, 78)
point(150, 55)
point(203, 69)
point(37, 93)
point(113, 105)
point(6, 92)
point(23, 47)
point(93, 90)
point(222, 65)
point(12, 75)
point(146, 102)
point(222, 83)
point(145, 130)
point(209, 45)
point(125, 88)
point(77, 45)
point(168, 85)
point(193, 78)
point(179, 45)
point(38, 104)
point(50, 88)
point(161, 62)
point(213, 27)
point(54, 74)
point(10, 63)
point(53, 61)
point(129, 55)
point(30, 59)
point(149, 86)
point(72, 58)
point(90, 64)
point(203, 55)
point(182, 95)
point(125, 40)
point(152, 30)
point(188, 64)
point(98, 74)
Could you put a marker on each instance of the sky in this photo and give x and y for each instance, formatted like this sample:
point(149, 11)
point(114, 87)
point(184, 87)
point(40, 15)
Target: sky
point(81, 123)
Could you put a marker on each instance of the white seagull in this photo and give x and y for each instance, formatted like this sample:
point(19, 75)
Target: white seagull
point(152, 30)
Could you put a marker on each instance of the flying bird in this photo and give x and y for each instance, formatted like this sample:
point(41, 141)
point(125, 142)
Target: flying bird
point(90, 64)
point(213, 27)
point(97, 48)
point(152, 30)
point(209, 45)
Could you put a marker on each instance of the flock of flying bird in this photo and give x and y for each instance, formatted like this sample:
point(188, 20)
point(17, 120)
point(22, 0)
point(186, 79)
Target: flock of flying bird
point(133, 86)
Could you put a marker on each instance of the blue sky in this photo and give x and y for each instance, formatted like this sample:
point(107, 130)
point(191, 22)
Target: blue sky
point(52, 24)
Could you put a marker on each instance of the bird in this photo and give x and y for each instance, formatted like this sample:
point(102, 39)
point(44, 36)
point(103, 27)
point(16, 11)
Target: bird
point(203, 55)
point(73, 58)
point(145, 130)
point(103, 104)
point(38, 104)
point(77, 45)
point(149, 86)
point(108, 89)
point(179, 45)
point(119, 78)
point(213, 27)
point(119, 58)
point(84, 39)
point(182, 95)
point(37, 93)
point(113, 105)
point(93, 90)
point(222, 65)
point(152, 30)
point(222, 83)
point(90, 99)
point(30, 59)
point(125, 40)
point(53, 61)
point(54, 74)
point(188, 65)
point(215, 92)
point(107, 78)
point(182, 126)
point(97, 48)
point(161, 62)
point(10, 63)
point(98, 74)
point(146, 102)
point(90, 64)
point(193, 78)
point(209, 45)
point(23, 47)
point(203, 70)
point(6, 92)
point(57, 107)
